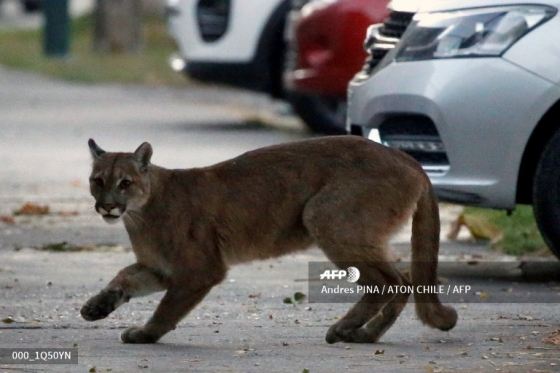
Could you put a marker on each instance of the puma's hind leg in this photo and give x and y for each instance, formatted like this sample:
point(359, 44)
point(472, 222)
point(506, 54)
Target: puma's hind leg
point(133, 281)
point(355, 229)
point(376, 327)
point(374, 314)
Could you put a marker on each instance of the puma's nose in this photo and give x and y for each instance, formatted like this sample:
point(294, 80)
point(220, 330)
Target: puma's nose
point(106, 208)
point(110, 206)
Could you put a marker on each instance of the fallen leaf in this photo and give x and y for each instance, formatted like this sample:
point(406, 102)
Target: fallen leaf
point(255, 295)
point(30, 209)
point(305, 371)
point(61, 247)
point(296, 299)
point(93, 369)
point(299, 297)
point(553, 339)
point(379, 352)
point(8, 320)
point(7, 220)
point(479, 228)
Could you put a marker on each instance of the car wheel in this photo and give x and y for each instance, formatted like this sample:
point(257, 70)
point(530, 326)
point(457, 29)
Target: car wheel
point(321, 114)
point(546, 194)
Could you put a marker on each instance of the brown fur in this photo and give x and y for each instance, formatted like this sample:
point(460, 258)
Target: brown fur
point(346, 194)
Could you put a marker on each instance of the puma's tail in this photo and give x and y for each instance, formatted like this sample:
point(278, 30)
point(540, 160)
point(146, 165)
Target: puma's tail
point(425, 247)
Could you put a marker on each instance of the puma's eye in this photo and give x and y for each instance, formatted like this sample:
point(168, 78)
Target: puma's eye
point(99, 182)
point(125, 184)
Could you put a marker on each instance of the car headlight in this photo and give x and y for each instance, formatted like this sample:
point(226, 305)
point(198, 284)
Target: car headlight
point(480, 32)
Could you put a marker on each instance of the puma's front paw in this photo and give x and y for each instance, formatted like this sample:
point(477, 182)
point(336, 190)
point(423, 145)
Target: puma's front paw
point(101, 305)
point(137, 334)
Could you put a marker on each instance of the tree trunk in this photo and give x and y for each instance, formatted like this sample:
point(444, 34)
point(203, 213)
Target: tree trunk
point(118, 26)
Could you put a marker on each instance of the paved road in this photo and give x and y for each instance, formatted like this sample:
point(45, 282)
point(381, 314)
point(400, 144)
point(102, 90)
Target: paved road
point(243, 325)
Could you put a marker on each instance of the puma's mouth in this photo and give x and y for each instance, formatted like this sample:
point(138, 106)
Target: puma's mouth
point(109, 218)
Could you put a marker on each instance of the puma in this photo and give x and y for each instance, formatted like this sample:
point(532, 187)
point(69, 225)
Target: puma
point(346, 194)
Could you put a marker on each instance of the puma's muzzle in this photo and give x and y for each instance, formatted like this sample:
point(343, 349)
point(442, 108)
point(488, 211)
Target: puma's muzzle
point(110, 214)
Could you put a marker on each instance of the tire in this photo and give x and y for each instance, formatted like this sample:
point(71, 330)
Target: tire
point(322, 114)
point(546, 194)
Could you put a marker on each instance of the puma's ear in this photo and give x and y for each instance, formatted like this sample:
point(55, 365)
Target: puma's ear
point(143, 155)
point(96, 151)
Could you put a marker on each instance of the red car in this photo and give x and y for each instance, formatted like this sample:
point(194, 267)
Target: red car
point(326, 50)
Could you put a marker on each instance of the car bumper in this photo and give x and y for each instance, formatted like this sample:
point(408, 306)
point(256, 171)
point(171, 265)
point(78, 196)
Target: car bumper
point(468, 117)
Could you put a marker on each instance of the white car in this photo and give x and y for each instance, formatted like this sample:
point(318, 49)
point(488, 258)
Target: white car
point(472, 91)
point(243, 43)
point(236, 42)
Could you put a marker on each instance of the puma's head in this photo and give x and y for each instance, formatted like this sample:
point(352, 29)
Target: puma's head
point(119, 182)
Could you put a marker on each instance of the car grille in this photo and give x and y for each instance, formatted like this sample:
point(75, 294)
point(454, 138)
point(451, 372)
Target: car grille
point(213, 18)
point(384, 38)
point(417, 136)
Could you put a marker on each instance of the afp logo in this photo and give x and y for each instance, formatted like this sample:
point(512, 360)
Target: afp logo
point(352, 274)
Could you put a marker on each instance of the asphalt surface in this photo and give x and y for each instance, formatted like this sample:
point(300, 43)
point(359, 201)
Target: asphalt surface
point(506, 323)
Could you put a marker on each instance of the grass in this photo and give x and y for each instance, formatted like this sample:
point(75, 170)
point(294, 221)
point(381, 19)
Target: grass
point(23, 50)
point(521, 235)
